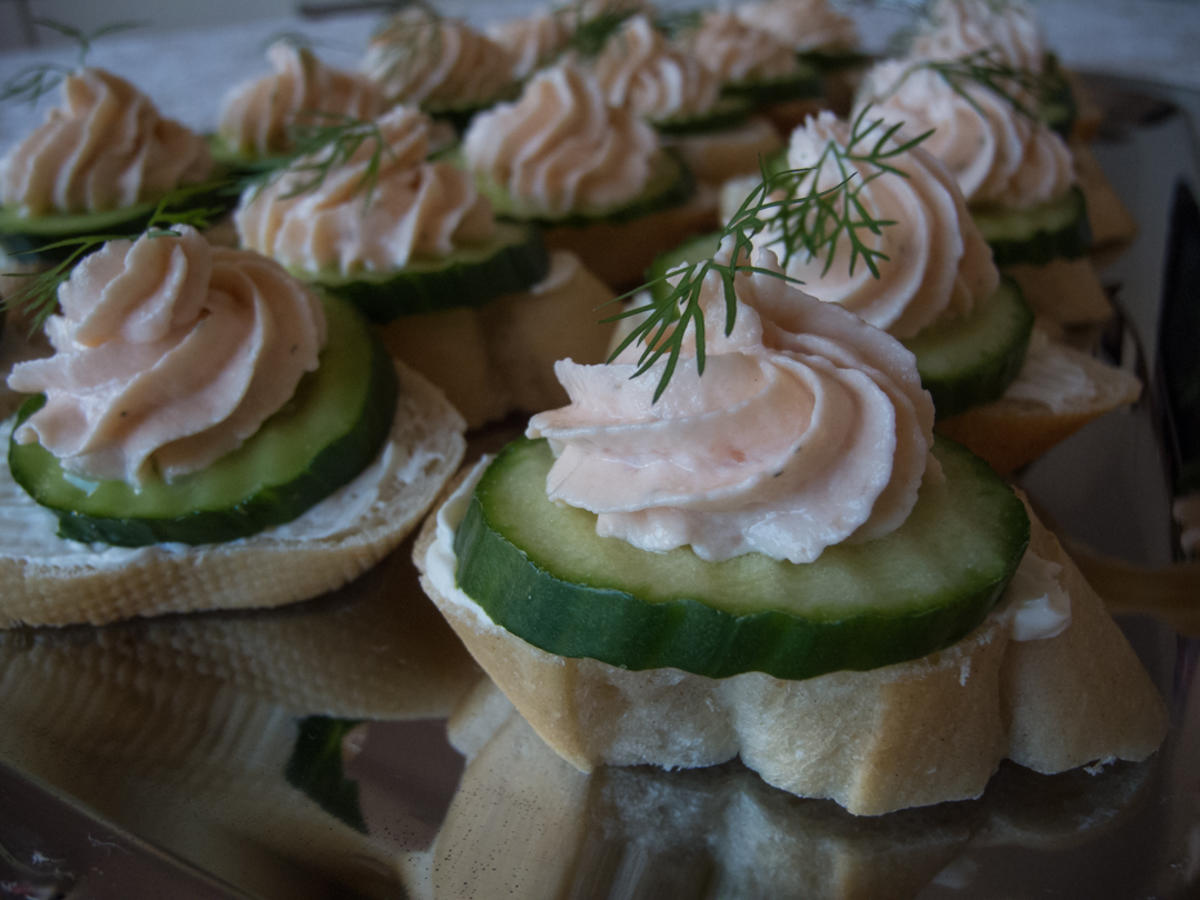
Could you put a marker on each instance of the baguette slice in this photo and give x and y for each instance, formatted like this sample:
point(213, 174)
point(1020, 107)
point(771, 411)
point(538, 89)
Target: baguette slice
point(910, 734)
point(1058, 391)
point(62, 583)
point(499, 357)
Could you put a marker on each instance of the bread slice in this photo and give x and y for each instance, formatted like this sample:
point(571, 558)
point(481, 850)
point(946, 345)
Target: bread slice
point(1058, 391)
point(45, 580)
point(496, 358)
point(910, 734)
point(619, 252)
point(1111, 223)
point(714, 157)
point(1067, 292)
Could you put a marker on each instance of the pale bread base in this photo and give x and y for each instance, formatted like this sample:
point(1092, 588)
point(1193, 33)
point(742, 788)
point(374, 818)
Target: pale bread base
point(1066, 292)
point(499, 357)
point(1111, 223)
point(618, 253)
point(258, 571)
point(715, 157)
point(1009, 432)
point(910, 734)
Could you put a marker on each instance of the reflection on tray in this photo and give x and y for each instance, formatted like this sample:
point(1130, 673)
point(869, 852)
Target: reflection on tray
point(186, 729)
point(524, 819)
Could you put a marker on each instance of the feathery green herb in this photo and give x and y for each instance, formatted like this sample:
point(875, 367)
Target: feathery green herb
point(38, 298)
point(324, 142)
point(805, 219)
point(32, 82)
point(1026, 91)
point(823, 218)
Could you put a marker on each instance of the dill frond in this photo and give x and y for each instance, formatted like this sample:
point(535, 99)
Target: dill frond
point(1026, 91)
point(33, 82)
point(322, 143)
point(38, 298)
point(803, 218)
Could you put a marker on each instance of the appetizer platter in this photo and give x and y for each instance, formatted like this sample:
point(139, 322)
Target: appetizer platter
point(843, 552)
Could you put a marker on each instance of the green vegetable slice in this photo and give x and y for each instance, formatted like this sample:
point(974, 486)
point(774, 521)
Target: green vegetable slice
point(1052, 230)
point(513, 260)
point(539, 570)
point(971, 359)
point(728, 112)
point(670, 184)
point(802, 84)
point(30, 237)
point(326, 435)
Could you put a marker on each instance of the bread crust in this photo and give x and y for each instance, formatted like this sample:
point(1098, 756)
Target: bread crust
point(499, 357)
point(1011, 432)
point(259, 571)
point(910, 734)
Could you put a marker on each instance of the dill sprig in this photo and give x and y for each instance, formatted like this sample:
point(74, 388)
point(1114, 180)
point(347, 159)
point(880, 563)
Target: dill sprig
point(408, 38)
point(37, 299)
point(327, 142)
point(34, 81)
point(1023, 89)
point(663, 322)
point(825, 217)
point(589, 35)
point(804, 217)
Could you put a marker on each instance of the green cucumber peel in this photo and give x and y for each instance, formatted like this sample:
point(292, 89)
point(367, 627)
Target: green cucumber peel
point(323, 438)
point(539, 570)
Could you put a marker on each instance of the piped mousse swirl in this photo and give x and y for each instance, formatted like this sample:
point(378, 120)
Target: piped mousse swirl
point(808, 428)
point(639, 70)
point(1008, 32)
point(105, 147)
point(738, 51)
point(377, 211)
point(416, 57)
point(559, 148)
point(935, 262)
point(168, 354)
point(256, 117)
point(1001, 155)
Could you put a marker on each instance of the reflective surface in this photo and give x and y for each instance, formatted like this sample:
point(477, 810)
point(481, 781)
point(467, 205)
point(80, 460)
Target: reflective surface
point(305, 752)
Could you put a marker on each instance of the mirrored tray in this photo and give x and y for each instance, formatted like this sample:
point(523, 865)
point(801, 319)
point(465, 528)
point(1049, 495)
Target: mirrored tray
point(304, 752)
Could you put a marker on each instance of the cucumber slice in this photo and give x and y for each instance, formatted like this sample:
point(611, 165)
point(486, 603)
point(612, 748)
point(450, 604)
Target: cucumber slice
point(694, 249)
point(670, 184)
point(971, 359)
point(539, 570)
point(829, 61)
point(727, 113)
point(328, 433)
point(802, 84)
point(1052, 230)
point(512, 261)
point(33, 237)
